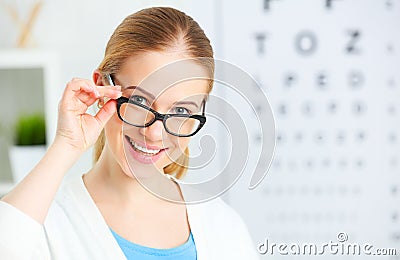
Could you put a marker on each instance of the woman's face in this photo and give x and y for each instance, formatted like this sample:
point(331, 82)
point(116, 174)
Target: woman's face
point(145, 151)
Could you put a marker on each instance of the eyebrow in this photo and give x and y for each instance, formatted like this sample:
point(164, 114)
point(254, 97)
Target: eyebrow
point(186, 103)
point(142, 90)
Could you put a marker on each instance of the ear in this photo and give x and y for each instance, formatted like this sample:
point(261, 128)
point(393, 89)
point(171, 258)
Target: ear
point(98, 78)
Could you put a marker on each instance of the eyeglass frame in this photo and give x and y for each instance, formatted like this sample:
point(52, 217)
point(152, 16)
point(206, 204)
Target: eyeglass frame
point(158, 116)
point(161, 117)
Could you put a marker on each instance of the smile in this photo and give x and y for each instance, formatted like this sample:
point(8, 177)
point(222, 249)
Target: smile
point(143, 149)
point(143, 154)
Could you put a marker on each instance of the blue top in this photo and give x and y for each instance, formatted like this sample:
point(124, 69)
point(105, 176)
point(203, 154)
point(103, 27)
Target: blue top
point(187, 251)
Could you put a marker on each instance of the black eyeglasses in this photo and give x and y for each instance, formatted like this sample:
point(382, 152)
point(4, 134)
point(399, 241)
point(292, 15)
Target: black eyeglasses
point(139, 115)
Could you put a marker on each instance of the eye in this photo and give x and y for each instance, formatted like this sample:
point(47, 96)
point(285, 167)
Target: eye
point(182, 111)
point(139, 99)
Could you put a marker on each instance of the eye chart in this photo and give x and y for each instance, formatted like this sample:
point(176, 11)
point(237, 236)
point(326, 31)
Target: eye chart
point(331, 71)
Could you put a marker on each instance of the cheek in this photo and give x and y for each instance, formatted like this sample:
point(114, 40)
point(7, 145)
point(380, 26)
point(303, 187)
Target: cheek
point(113, 128)
point(183, 143)
point(113, 133)
point(180, 144)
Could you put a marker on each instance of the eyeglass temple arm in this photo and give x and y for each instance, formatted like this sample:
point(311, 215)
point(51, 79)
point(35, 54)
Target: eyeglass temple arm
point(204, 107)
point(108, 76)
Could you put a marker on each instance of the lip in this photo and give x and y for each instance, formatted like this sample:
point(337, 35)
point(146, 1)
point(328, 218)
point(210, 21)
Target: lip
point(140, 157)
point(152, 147)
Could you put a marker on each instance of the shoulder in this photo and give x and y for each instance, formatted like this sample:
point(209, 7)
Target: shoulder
point(221, 230)
point(217, 217)
point(72, 189)
point(71, 200)
point(213, 213)
point(217, 211)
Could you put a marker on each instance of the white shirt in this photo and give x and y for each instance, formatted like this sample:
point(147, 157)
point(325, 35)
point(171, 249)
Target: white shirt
point(75, 229)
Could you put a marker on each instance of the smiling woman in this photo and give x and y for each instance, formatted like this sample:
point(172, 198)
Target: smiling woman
point(141, 135)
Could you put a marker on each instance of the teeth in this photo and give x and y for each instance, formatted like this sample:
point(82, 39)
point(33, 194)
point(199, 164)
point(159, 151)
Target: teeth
point(143, 149)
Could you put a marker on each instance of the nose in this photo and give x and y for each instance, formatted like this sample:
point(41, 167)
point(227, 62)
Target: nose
point(153, 132)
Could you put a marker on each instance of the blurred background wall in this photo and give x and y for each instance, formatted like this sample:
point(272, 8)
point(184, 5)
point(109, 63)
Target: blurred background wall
point(330, 69)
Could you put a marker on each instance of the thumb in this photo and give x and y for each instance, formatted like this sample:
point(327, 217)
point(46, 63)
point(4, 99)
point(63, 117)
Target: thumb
point(106, 112)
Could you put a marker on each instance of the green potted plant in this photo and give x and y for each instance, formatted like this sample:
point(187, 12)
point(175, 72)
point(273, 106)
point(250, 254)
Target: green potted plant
point(29, 144)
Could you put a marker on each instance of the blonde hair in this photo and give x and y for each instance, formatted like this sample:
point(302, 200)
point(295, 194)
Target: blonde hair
point(156, 29)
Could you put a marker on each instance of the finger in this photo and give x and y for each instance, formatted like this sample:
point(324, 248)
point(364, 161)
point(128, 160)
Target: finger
point(86, 98)
point(76, 79)
point(82, 99)
point(113, 92)
point(106, 112)
point(80, 85)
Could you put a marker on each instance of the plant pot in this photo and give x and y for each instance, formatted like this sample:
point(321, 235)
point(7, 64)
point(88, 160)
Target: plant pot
point(23, 159)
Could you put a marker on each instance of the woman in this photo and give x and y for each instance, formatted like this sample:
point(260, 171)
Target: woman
point(107, 213)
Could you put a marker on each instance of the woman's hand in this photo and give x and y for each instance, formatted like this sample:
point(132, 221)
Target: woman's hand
point(76, 131)
point(77, 128)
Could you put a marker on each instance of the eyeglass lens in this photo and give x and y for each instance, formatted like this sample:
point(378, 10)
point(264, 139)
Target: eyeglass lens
point(140, 116)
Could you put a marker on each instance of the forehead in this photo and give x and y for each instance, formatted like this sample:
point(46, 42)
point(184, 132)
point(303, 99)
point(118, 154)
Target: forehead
point(165, 74)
